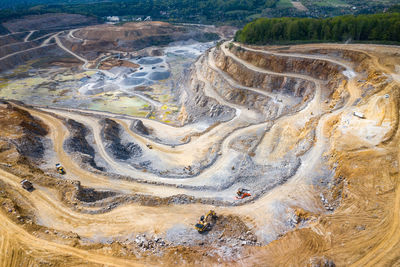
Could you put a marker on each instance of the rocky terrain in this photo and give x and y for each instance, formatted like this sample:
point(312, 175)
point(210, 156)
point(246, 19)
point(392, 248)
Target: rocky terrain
point(310, 130)
point(131, 37)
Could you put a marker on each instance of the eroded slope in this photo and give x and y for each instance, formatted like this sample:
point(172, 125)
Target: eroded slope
point(311, 130)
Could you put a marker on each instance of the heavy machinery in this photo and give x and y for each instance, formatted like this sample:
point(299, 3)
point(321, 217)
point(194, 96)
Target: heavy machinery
point(60, 169)
point(27, 185)
point(149, 146)
point(206, 222)
point(242, 193)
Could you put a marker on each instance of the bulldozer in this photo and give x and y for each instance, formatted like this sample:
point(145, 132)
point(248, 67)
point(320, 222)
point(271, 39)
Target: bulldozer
point(60, 169)
point(242, 193)
point(206, 222)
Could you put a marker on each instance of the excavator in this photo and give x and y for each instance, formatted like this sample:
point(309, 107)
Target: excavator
point(206, 222)
point(242, 193)
point(149, 146)
point(60, 169)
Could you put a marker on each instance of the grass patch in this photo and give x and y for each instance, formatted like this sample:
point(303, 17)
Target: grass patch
point(284, 4)
point(326, 3)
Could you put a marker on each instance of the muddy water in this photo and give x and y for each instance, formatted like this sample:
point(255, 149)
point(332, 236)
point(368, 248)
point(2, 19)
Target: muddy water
point(149, 90)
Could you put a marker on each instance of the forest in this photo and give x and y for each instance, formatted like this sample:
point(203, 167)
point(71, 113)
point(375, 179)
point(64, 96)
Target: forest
point(233, 12)
point(384, 27)
point(201, 11)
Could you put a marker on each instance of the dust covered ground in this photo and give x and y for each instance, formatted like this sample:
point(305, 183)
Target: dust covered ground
point(310, 130)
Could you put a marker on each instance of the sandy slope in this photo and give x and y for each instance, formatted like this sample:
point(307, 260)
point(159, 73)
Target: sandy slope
point(339, 138)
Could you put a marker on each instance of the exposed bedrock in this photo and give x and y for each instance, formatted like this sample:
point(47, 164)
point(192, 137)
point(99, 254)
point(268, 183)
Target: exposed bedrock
point(77, 143)
point(91, 195)
point(269, 107)
point(316, 68)
point(332, 74)
point(138, 126)
point(120, 149)
point(196, 106)
point(31, 141)
point(270, 83)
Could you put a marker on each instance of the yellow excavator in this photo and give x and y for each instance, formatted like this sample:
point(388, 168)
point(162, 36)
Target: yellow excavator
point(206, 222)
point(60, 169)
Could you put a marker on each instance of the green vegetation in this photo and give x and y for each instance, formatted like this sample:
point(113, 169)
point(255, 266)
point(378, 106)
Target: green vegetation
point(378, 27)
point(236, 12)
point(284, 4)
point(395, 8)
point(202, 11)
point(330, 3)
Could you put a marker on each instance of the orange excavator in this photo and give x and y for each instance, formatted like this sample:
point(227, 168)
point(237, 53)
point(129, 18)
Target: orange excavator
point(242, 193)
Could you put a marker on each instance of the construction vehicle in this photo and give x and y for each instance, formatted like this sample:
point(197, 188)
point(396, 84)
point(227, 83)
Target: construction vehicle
point(27, 185)
point(242, 193)
point(149, 146)
point(206, 222)
point(60, 169)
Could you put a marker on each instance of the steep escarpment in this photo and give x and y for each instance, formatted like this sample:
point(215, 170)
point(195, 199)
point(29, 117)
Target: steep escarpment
point(78, 143)
point(197, 106)
point(269, 82)
point(21, 133)
point(314, 67)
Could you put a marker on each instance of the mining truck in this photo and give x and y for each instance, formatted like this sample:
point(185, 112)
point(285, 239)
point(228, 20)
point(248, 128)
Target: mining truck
point(27, 185)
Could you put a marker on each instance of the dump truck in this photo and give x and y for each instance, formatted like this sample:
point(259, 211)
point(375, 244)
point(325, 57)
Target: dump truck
point(60, 169)
point(242, 193)
point(149, 146)
point(27, 185)
point(359, 114)
point(206, 222)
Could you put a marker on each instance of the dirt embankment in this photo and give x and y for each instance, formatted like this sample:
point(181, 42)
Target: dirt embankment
point(132, 37)
point(114, 144)
point(12, 38)
point(50, 54)
point(48, 21)
point(21, 133)
point(77, 143)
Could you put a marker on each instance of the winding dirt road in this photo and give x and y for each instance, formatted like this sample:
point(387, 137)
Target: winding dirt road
point(127, 219)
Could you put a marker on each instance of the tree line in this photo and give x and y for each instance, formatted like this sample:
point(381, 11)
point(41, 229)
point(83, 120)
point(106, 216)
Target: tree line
point(202, 11)
point(383, 27)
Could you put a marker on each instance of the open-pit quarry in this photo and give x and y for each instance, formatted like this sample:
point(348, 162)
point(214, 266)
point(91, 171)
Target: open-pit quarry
point(156, 124)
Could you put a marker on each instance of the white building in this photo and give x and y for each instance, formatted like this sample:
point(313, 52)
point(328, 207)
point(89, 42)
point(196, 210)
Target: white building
point(113, 19)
